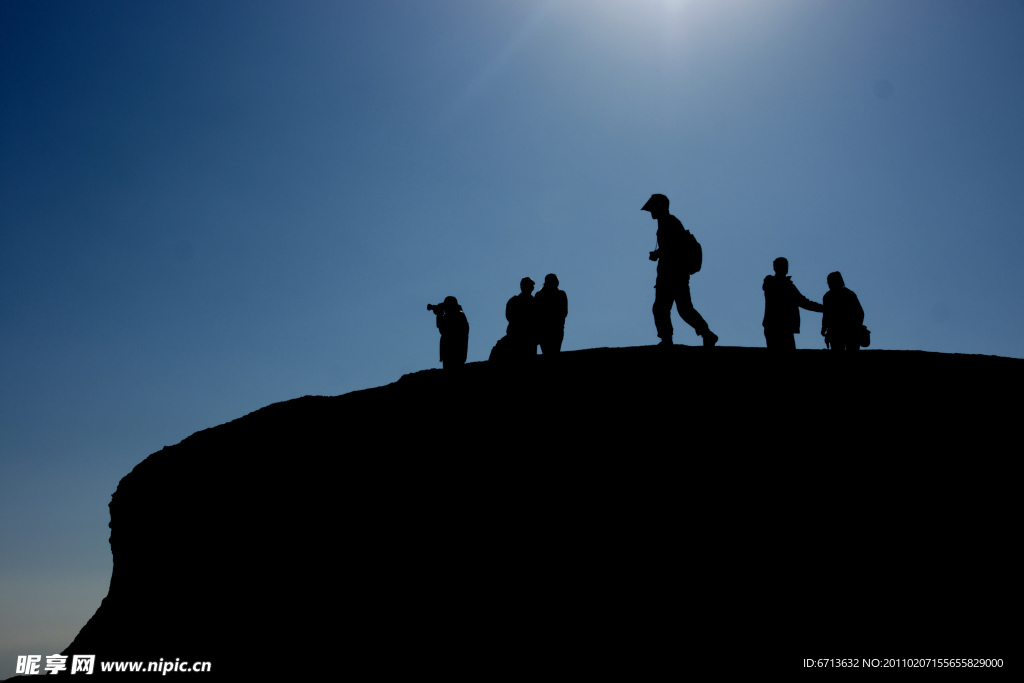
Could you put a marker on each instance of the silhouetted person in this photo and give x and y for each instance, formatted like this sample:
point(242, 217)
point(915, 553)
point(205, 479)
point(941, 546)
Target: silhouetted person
point(679, 256)
point(454, 328)
point(843, 320)
point(782, 304)
point(552, 307)
point(521, 313)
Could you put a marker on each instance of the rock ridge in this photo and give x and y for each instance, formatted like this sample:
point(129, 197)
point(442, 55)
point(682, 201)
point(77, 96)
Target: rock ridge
point(603, 509)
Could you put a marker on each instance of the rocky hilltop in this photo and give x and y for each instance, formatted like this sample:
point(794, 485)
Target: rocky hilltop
point(602, 510)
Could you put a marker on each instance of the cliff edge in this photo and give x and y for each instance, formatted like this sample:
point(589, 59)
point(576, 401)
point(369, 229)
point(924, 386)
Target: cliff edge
point(598, 510)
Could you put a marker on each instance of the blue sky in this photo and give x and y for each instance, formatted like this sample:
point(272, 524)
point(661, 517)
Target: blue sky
point(208, 207)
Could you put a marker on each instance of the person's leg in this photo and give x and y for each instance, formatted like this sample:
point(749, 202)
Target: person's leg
point(663, 313)
point(690, 315)
point(780, 341)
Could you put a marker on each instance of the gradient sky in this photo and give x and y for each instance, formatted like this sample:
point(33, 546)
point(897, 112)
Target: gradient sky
point(210, 206)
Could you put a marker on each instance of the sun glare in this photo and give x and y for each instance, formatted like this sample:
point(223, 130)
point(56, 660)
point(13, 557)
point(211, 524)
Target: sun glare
point(670, 5)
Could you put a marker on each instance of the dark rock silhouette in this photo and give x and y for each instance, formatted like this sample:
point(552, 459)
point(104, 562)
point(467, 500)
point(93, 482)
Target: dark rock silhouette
point(353, 533)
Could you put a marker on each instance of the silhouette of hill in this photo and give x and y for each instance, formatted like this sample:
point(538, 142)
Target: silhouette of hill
point(600, 510)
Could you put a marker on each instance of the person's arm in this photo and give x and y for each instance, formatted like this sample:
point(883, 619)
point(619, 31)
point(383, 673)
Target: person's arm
point(805, 303)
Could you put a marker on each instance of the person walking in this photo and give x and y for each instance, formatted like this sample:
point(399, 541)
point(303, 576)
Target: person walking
point(679, 256)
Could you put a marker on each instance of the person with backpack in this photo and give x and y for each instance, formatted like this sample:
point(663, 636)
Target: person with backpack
point(679, 256)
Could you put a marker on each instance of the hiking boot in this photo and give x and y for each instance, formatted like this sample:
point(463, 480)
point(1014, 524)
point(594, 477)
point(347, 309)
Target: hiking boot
point(710, 338)
point(665, 343)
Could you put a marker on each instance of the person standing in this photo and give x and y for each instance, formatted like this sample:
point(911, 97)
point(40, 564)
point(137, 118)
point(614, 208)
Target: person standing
point(782, 304)
point(552, 307)
point(842, 323)
point(521, 313)
point(454, 329)
point(679, 256)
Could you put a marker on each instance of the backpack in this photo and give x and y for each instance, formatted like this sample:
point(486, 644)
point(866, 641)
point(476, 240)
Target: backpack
point(694, 254)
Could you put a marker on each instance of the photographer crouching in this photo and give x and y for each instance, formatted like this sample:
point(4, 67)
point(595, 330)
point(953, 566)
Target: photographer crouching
point(454, 328)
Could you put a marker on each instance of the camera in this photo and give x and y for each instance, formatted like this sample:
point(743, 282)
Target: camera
point(436, 308)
